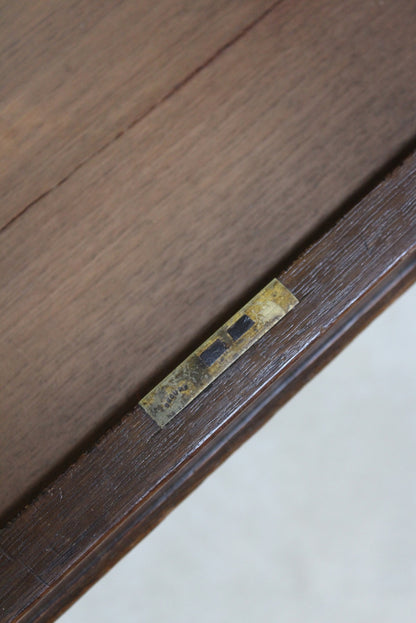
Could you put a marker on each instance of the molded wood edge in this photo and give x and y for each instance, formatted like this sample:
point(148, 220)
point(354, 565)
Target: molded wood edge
point(112, 496)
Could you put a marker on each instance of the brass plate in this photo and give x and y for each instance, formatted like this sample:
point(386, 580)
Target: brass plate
point(218, 352)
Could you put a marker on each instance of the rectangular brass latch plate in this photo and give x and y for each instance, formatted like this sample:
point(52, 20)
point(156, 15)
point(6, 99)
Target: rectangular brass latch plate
point(218, 352)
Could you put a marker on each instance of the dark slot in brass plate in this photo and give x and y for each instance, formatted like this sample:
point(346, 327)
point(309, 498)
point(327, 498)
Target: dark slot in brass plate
point(218, 352)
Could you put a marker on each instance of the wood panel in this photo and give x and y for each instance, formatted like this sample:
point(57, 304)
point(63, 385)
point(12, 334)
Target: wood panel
point(113, 495)
point(74, 75)
point(109, 278)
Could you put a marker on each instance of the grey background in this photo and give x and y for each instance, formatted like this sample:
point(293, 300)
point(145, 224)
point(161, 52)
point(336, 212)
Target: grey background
point(313, 519)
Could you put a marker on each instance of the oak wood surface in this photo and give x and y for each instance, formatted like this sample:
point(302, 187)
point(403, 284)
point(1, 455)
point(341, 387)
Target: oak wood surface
point(75, 74)
point(115, 493)
point(115, 272)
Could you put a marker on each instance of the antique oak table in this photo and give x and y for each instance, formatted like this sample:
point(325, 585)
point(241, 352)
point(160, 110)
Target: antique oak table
point(161, 163)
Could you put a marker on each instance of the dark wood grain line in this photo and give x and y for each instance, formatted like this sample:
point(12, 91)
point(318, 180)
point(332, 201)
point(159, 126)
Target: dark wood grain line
point(114, 494)
point(134, 122)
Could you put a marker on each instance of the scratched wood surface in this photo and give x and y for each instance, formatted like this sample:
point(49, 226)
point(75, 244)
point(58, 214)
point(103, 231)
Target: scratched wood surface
point(125, 261)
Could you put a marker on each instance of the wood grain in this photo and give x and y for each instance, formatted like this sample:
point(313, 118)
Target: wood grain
point(74, 75)
point(115, 273)
point(114, 494)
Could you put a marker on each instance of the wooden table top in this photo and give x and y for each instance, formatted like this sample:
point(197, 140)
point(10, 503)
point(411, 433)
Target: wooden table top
point(152, 172)
point(157, 162)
